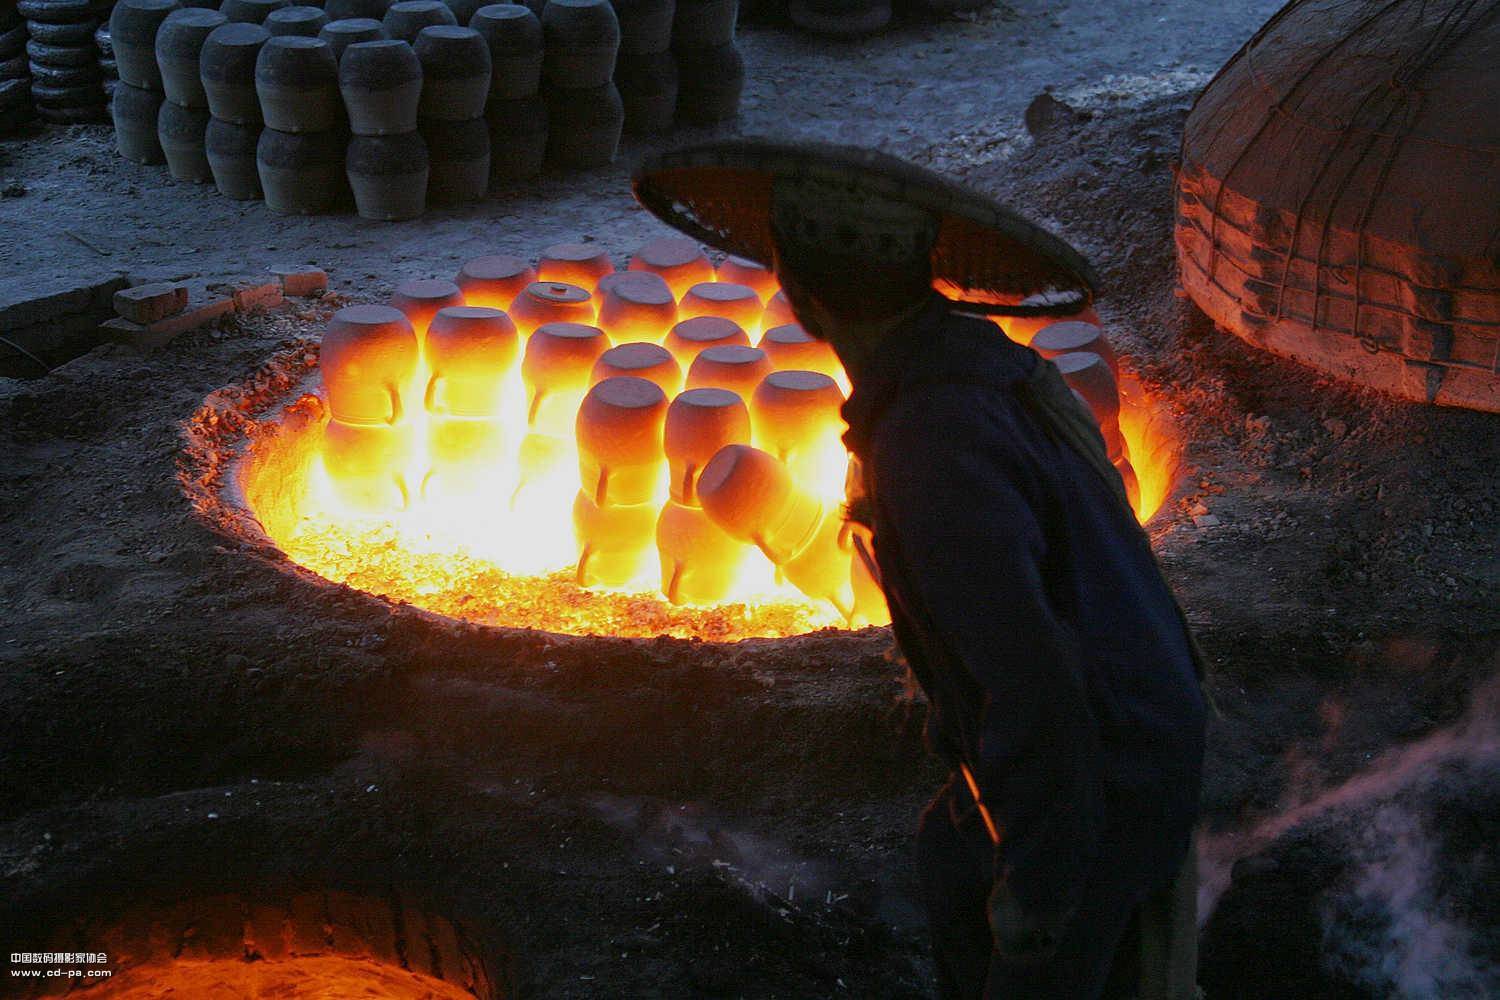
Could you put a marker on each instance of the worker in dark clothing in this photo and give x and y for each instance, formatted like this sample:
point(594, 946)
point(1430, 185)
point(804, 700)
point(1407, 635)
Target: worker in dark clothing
point(1024, 595)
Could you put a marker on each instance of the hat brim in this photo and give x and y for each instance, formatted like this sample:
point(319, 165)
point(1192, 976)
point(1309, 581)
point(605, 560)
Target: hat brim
point(986, 258)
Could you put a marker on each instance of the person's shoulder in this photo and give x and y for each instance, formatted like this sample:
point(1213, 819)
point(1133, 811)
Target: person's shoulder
point(965, 349)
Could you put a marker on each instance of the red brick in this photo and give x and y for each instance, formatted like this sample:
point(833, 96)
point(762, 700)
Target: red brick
point(300, 280)
point(149, 337)
point(251, 297)
point(149, 303)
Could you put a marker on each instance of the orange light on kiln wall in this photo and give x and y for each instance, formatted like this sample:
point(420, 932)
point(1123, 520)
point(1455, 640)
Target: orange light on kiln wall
point(680, 263)
point(555, 369)
point(796, 418)
point(494, 281)
point(732, 302)
point(751, 495)
point(730, 366)
point(699, 423)
point(619, 430)
point(546, 302)
point(691, 337)
point(648, 361)
point(421, 299)
point(739, 271)
point(581, 264)
point(636, 306)
point(792, 348)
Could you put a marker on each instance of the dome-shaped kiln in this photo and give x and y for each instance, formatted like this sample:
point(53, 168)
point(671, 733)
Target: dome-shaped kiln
point(1338, 200)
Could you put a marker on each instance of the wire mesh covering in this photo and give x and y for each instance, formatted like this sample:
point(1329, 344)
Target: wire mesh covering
point(1338, 199)
point(986, 256)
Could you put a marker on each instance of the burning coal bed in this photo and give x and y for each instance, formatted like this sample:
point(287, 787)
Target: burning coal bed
point(568, 447)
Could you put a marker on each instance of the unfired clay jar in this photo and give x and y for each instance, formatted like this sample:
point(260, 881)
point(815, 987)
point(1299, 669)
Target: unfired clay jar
point(406, 18)
point(514, 36)
point(495, 280)
point(619, 433)
point(230, 150)
point(388, 175)
point(301, 173)
point(455, 73)
point(296, 80)
point(730, 366)
point(581, 264)
point(343, 10)
point(699, 423)
point(584, 126)
point(304, 21)
point(704, 24)
point(421, 299)
point(351, 31)
point(179, 40)
point(680, 262)
point(691, 336)
point(132, 30)
point(368, 358)
point(469, 350)
point(180, 131)
point(381, 84)
point(134, 110)
point(582, 40)
point(518, 138)
point(636, 306)
point(226, 68)
point(645, 25)
point(459, 157)
point(648, 91)
point(648, 361)
point(718, 298)
point(251, 11)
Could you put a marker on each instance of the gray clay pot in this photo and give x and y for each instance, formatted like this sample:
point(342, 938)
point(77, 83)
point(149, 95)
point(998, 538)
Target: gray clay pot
point(230, 150)
point(296, 80)
point(388, 174)
point(301, 173)
point(134, 110)
point(179, 41)
point(455, 73)
point(381, 83)
point(226, 68)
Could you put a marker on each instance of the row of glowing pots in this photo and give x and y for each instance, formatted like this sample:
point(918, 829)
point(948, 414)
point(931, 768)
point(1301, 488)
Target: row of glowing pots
point(680, 395)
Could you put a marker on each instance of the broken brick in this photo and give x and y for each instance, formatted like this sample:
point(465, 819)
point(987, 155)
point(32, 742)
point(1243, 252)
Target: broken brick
point(150, 336)
point(148, 303)
point(300, 280)
point(251, 297)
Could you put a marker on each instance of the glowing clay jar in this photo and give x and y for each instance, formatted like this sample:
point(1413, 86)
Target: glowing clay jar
point(648, 361)
point(778, 312)
point(739, 271)
point(581, 264)
point(420, 300)
point(494, 281)
point(699, 560)
point(470, 352)
point(732, 302)
point(619, 430)
point(691, 337)
point(614, 542)
point(699, 423)
point(1057, 339)
point(792, 348)
point(1091, 380)
point(796, 414)
point(680, 263)
point(730, 366)
point(750, 494)
point(636, 306)
point(1022, 329)
point(368, 358)
point(546, 302)
point(556, 367)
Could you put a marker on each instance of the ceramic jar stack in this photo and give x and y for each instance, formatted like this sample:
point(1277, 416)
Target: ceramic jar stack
point(456, 83)
point(584, 111)
point(226, 69)
point(66, 81)
point(138, 95)
point(300, 154)
point(710, 69)
point(646, 72)
point(15, 73)
point(386, 162)
point(182, 121)
point(515, 114)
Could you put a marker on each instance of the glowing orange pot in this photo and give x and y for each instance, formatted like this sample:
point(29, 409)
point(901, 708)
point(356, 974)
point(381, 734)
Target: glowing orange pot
point(739, 271)
point(730, 366)
point(1057, 339)
point(716, 298)
point(792, 348)
point(420, 300)
point(469, 351)
point(1092, 382)
point(368, 358)
point(636, 306)
point(679, 262)
point(581, 264)
point(699, 560)
point(494, 281)
point(1022, 329)
point(750, 494)
point(778, 312)
point(699, 423)
point(648, 361)
point(546, 302)
point(366, 464)
point(690, 337)
point(619, 429)
point(615, 542)
point(793, 410)
point(555, 369)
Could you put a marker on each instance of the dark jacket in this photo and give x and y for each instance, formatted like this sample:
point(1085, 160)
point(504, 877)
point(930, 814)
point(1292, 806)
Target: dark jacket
point(1030, 608)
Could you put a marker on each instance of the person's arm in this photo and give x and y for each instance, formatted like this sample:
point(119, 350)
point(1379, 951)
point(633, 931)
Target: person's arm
point(951, 480)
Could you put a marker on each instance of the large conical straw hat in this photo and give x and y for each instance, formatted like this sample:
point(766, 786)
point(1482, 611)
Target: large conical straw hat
point(984, 256)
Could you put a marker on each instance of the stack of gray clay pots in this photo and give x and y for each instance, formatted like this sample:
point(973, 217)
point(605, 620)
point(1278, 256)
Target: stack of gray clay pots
point(226, 68)
point(15, 73)
point(108, 70)
point(386, 160)
point(67, 83)
point(300, 156)
point(516, 114)
point(584, 111)
point(646, 73)
point(138, 96)
point(710, 69)
point(182, 121)
point(456, 76)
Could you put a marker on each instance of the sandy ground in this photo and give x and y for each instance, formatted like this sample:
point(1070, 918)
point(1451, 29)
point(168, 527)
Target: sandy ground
point(184, 714)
